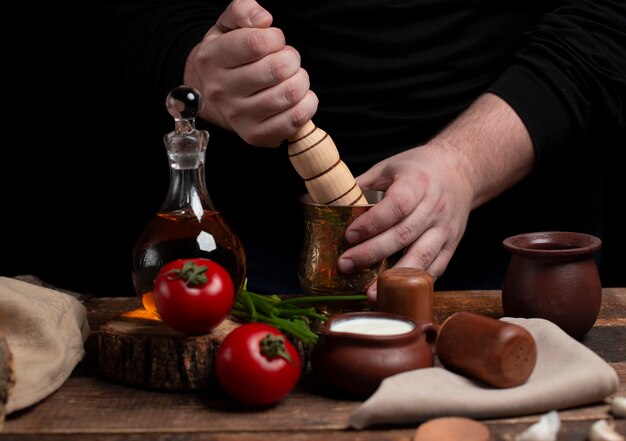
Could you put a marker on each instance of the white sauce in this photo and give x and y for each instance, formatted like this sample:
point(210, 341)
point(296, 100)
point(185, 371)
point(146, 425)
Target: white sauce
point(372, 326)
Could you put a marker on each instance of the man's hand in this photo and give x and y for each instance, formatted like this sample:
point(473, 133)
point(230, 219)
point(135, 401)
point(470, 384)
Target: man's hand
point(250, 80)
point(430, 190)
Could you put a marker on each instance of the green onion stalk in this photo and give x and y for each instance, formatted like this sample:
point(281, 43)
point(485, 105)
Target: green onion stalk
point(288, 315)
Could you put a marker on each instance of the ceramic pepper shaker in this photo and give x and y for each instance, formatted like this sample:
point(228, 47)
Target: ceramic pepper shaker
point(499, 353)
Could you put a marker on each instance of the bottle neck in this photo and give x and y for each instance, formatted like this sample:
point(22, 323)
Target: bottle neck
point(187, 194)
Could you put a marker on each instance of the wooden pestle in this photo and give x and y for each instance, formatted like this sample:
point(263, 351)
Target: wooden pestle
point(315, 157)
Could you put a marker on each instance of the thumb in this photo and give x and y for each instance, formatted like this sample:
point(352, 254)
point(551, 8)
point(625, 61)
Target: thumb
point(242, 14)
point(373, 179)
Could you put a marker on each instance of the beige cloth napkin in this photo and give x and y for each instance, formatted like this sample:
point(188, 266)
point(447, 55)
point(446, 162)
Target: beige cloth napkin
point(45, 330)
point(566, 374)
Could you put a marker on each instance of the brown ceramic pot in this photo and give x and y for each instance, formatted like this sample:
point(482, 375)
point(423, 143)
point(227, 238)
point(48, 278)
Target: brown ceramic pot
point(553, 275)
point(353, 364)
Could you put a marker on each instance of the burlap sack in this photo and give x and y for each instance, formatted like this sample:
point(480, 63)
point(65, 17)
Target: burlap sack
point(45, 330)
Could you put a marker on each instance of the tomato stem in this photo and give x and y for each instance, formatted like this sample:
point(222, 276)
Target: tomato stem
point(191, 273)
point(273, 346)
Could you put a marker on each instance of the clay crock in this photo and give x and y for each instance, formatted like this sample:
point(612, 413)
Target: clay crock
point(354, 364)
point(553, 275)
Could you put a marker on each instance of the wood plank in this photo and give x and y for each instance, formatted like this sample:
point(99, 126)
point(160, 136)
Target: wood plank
point(573, 431)
point(86, 403)
point(446, 303)
point(89, 404)
point(613, 309)
point(609, 342)
point(489, 302)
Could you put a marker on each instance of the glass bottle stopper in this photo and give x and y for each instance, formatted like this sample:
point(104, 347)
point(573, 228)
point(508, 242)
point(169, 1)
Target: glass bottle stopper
point(184, 103)
point(185, 145)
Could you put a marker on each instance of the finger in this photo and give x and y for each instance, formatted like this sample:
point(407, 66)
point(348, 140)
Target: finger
point(428, 252)
point(439, 265)
point(243, 46)
point(379, 247)
point(274, 130)
point(375, 178)
point(424, 251)
point(241, 14)
point(433, 262)
point(272, 70)
point(274, 100)
point(388, 241)
point(372, 291)
point(400, 201)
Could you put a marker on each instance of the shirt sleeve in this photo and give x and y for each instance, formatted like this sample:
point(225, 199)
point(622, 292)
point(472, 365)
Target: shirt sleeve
point(569, 77)
point(148, 44)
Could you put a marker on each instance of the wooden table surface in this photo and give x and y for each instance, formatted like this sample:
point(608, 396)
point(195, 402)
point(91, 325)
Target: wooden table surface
point(89, 406)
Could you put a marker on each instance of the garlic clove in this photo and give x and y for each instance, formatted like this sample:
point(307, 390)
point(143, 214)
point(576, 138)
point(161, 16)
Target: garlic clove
point(618, 407)
point(602, 430)
point(546, 429)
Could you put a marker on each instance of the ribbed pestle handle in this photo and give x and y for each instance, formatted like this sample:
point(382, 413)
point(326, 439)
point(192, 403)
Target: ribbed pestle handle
point(315, 157)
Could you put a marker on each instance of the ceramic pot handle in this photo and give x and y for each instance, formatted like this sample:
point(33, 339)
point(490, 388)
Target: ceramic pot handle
point(430, 331)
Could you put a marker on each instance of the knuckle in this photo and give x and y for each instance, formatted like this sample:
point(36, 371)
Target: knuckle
point(401, 203)
point(370, 257)
point(256, 44)
point(422, 258)
point(299, 117)
point(313, 102)
point(214, 91)
point(292, 93)
point(403, 234)
point(233, 113)
point(280, 69)
point(202, 57)
point(239, 8)
point(440, 205)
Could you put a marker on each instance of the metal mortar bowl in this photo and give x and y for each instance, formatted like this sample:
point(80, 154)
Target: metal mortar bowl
point(324, 242)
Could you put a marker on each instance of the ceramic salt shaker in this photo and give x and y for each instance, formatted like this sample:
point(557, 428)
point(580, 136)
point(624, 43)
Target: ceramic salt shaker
point(406, 291)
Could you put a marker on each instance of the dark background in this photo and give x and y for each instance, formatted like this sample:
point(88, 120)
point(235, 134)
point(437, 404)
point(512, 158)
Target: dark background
point(84, 171)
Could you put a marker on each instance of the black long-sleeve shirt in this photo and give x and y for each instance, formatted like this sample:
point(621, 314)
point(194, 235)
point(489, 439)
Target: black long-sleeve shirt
point(391, 74)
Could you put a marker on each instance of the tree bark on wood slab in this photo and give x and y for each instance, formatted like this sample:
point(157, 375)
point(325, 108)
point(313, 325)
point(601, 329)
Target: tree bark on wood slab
point(146, 352)
point(7, 376)
point(137, 349)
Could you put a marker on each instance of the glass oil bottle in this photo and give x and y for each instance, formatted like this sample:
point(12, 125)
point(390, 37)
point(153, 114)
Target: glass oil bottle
point(188, 225)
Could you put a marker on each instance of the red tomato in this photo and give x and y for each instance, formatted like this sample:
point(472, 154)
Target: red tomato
point(193, 296)
point(257, 365)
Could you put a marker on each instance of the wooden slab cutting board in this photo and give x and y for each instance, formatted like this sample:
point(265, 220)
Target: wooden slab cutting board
point(137, 348)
